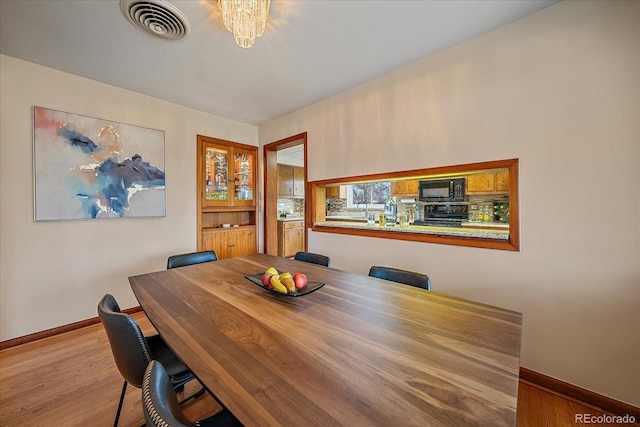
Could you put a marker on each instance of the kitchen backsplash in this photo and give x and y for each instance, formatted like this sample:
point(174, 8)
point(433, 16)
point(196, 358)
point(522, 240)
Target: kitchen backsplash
point(290, 205)
point(337, 205)
point(484, 200)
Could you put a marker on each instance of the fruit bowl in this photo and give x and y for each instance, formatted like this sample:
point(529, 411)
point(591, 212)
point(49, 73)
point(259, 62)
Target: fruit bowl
point(311, 286)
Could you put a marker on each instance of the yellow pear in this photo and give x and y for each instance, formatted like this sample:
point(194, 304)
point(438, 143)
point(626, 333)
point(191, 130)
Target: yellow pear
point(289, 284)
point(286, 275)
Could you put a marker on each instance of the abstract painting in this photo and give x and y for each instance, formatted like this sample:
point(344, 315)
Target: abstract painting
point(88, 168)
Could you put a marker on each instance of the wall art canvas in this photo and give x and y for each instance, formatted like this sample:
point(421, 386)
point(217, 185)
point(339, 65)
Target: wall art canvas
point(88, 168)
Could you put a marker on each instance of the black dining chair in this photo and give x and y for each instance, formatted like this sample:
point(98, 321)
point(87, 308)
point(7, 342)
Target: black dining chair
point(312, 258)
point(161, 408)
point(133, 351)
point(406, 277)
point(191, 258)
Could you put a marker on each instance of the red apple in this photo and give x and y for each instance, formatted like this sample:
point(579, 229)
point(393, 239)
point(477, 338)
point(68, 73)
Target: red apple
point(300, 280)
point(266, 280)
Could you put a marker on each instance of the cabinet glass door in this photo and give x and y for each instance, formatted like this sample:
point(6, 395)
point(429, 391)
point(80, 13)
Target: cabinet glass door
point(217, 176)
point(243, 177)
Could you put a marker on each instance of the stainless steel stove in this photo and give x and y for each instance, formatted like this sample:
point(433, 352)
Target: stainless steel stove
point(444, 215)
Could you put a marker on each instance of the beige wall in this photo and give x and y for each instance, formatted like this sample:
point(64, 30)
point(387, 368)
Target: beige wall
point(54, 273)
point(560, 91)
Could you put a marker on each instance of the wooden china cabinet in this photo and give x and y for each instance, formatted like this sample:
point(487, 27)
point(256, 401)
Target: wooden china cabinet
point(226, 197)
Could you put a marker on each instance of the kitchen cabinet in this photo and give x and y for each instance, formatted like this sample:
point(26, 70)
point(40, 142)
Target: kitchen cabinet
point(336, 192)
point(290, 181)
point(502, 181)
point(290, 237)
point(405, 188)
point(225, 194)
point(298, 181)
point(230, 242)
point(488, 183)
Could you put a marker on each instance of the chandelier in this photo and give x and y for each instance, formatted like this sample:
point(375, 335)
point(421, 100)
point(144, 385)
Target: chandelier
point(246, 19)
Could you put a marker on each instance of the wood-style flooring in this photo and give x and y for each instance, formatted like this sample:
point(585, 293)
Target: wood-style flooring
point(71, 380)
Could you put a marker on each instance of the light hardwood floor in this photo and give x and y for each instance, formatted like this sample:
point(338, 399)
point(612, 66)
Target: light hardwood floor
point(71, 380)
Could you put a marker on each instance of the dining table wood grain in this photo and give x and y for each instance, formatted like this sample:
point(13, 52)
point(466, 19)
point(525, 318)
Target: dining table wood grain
point(359, 351)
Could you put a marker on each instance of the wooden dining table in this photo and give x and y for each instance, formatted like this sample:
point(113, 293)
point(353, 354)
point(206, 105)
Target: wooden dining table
point(358, 351)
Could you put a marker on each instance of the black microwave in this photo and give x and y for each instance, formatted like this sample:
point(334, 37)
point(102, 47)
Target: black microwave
point(442, 190)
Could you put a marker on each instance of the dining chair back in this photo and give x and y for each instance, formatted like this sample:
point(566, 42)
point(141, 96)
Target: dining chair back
point(161, 407)
point(312, 258)
point(132, 351)
point(406, 277)
point(191, 258)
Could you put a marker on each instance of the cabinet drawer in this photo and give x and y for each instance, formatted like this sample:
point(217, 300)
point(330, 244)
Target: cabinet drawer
point(291, 224)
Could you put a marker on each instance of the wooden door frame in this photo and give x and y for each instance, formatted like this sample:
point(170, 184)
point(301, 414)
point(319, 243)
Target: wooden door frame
point(270, 196)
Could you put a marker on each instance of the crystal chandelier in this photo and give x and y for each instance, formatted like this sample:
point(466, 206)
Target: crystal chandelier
point(246, 19)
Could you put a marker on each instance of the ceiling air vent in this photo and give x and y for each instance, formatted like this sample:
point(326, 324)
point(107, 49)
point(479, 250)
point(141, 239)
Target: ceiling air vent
point(156, 17)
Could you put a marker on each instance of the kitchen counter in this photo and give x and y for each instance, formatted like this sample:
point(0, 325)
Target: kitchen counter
point(483, 233)
point(292, 218)
point(492, 225)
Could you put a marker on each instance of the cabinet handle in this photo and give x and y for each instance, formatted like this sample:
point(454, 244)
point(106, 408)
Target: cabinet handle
point(232, 245)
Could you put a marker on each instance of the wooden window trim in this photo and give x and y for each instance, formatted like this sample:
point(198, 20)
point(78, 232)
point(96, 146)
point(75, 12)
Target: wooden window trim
point(317, 207)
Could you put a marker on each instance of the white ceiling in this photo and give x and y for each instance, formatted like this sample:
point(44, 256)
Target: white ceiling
point(292, 155)
point(311, 49)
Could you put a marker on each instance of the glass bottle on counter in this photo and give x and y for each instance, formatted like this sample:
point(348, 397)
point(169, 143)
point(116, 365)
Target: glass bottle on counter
point(390, 212)
point(485, 213)
point(403, 219)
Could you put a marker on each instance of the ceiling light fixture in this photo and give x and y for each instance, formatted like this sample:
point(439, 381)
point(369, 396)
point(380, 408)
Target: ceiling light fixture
point(246, 19)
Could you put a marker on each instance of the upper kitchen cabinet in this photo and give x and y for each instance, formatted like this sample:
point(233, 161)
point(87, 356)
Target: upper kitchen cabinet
point(298, 181)
point(290, 181)
point(336, 192)
point(405, 188)
point(227, 173)
point(502, 181)
point(488, 183)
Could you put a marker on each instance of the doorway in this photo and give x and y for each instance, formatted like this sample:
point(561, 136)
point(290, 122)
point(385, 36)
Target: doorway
point(292, 152)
